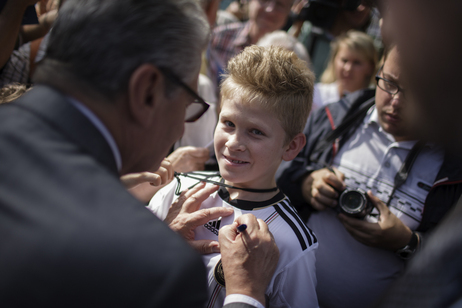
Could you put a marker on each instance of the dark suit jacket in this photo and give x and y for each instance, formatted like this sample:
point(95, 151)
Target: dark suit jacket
point(70, 234)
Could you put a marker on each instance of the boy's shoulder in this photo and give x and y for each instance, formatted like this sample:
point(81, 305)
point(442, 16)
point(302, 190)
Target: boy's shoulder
point(289, 229)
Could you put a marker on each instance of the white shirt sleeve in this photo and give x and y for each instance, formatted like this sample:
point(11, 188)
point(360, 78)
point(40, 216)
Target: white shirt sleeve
point(240, 298)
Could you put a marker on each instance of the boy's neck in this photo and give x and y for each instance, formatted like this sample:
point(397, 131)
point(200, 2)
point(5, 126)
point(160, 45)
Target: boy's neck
point(237, 194)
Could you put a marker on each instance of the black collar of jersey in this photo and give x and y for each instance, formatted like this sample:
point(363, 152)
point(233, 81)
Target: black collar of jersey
point(249, 205)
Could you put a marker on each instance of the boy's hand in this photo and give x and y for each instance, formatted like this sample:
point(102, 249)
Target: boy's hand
point(321, 188)
point(184, 216)
point(249, 258)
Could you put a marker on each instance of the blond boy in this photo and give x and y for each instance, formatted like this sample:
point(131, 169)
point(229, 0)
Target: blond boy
point(266, 99)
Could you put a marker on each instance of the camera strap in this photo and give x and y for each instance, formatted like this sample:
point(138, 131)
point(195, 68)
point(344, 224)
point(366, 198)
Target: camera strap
point(204, 177)
point(348, 122)
point(402, 174)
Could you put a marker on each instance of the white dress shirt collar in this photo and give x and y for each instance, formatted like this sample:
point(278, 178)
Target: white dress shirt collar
point(102, 129)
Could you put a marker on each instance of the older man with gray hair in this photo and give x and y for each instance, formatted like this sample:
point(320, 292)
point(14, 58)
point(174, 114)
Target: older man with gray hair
point(110, 98)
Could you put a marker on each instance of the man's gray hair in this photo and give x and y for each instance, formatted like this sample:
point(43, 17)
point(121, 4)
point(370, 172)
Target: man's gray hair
point(103, 41)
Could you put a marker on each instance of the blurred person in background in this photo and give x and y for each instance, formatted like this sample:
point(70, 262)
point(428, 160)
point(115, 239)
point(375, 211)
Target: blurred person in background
point(427, 32)
point(24, 44)
point(321, 21)
point(352, 64)
point(265, 16)
point(283, 39)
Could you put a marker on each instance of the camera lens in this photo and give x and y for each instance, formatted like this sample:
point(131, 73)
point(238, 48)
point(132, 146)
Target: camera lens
point(352, 202)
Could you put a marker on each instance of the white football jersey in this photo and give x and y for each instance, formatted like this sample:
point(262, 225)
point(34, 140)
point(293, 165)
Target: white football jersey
point(294, 281)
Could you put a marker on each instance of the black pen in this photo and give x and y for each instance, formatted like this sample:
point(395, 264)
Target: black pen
point(241, 228)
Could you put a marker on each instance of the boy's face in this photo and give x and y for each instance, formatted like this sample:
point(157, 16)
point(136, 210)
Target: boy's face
point(249, 144)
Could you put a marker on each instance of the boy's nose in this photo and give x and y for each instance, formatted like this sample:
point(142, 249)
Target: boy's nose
point(234, 143)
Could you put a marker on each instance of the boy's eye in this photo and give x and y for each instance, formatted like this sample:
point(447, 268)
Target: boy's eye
point(229, 123)
point(257, 132)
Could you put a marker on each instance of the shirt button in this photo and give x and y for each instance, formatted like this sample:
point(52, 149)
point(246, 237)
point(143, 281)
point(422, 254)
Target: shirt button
point(387, 164)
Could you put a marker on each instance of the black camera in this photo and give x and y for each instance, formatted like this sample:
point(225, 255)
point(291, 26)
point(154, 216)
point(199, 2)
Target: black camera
point(354, 202)
point(322, 13)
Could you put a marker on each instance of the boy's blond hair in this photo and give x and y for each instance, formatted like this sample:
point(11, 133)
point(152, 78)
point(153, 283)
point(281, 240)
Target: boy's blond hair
point(274, 78)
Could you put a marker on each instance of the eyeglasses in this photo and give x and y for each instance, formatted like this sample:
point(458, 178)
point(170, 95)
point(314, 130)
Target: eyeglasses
point(279, 6)
point(195, 109)
point(387, 85)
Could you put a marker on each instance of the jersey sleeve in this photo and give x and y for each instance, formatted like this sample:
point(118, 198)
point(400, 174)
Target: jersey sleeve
point(295, 284)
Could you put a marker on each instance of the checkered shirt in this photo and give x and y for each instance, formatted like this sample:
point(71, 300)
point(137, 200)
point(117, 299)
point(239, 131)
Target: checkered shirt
point(226, 42)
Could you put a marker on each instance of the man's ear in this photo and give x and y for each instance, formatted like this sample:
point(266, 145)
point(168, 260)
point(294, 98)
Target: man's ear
point(145, 93)
point(294, 147)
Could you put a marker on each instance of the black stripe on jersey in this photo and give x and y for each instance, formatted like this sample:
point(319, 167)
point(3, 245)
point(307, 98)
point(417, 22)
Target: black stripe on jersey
point(292, 225)
point(308, 233)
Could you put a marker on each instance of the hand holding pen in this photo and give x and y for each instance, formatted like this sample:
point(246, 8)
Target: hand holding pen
point(249, 256)
point(241, 228)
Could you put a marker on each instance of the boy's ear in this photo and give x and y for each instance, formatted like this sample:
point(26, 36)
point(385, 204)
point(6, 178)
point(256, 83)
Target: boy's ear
point(294, 147)
point(144, 93)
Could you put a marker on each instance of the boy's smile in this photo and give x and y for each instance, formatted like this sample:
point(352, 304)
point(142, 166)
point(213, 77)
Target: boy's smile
point(232, 161)
point(249, 144)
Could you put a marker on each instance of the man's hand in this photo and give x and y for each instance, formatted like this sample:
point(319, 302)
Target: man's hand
point(161, 177)
point(388, 233)
point(186, 159)
point(184, 216)
point(321, 188)
point(249, 258)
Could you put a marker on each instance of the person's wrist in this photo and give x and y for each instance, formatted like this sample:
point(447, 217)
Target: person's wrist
point(241, 298)
point(246, 289)
point(410, 248)
point(306, 187)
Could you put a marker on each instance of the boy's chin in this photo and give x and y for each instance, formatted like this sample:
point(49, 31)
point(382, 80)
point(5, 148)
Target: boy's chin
point(232, 177)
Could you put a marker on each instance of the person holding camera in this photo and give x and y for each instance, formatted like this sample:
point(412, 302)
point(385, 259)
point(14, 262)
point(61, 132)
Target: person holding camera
point(373, 190)
point(321, 21)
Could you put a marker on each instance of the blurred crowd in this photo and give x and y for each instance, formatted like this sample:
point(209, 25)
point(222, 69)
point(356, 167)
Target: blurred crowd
point(358, 136)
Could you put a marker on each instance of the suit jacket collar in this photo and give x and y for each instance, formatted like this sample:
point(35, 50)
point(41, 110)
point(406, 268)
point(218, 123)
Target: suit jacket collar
point(51, 105)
